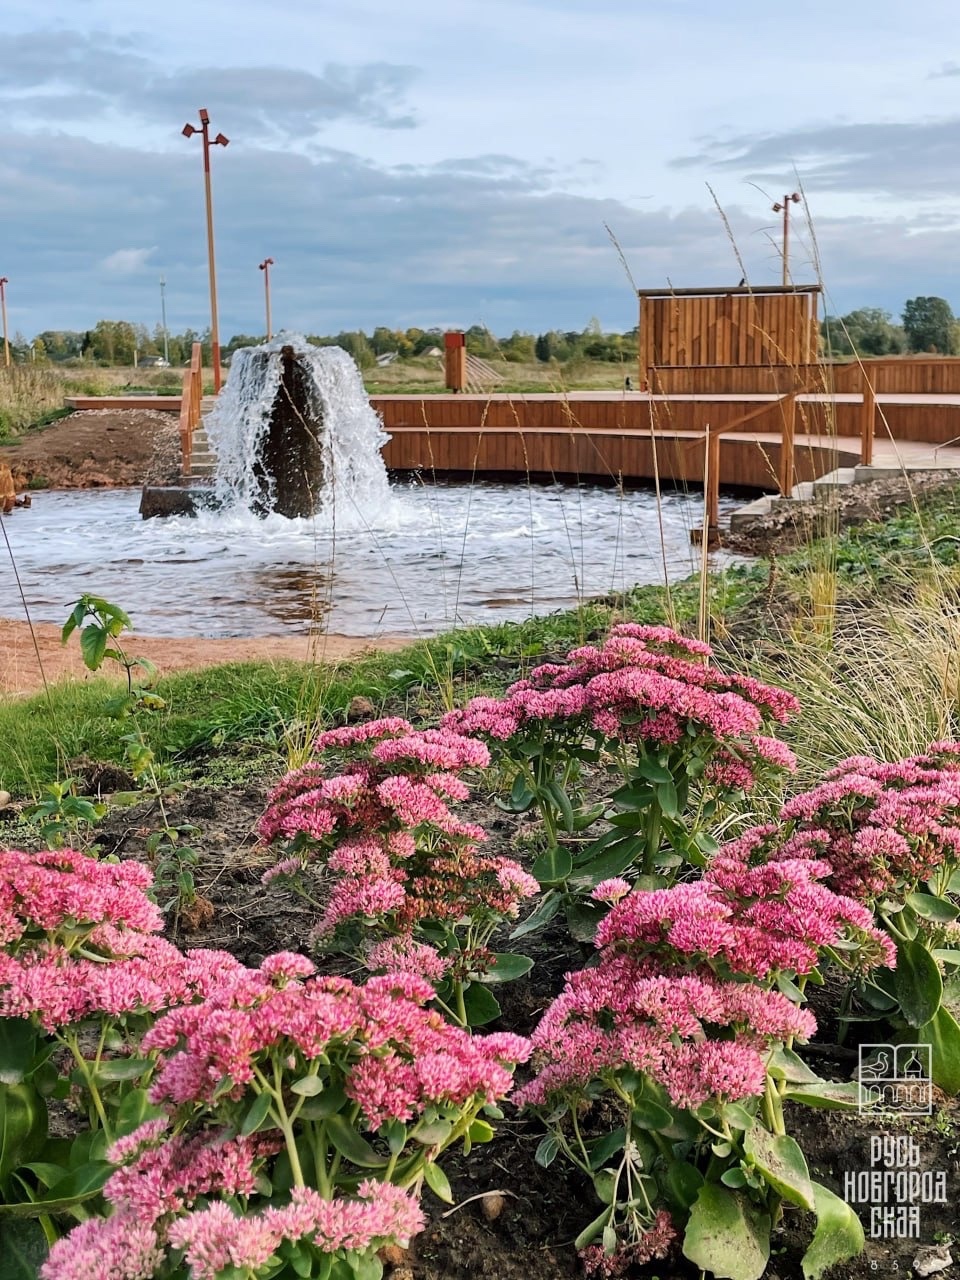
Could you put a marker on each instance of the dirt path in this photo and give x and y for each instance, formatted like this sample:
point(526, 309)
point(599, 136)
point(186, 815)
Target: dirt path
point(20, 670)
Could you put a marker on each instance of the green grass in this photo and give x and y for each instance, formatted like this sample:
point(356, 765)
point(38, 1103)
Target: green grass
point(880, 681)
point(272, 709)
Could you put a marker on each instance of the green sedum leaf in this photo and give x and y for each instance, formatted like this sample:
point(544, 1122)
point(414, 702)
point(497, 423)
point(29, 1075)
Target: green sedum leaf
point(917, 982)
point(779, 1159)
point(726, 1235)
point(839, 1234)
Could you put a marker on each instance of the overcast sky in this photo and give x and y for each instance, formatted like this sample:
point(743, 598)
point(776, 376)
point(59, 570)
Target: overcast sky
point(454, 163)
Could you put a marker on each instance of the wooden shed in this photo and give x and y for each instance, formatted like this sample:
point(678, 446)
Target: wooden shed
point(690, 339)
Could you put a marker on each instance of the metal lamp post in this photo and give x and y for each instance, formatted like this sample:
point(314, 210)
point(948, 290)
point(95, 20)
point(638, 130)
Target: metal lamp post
point(163, 320)
point(792, 198)
point(204, 130)
point(3, 308)
point(265, 266)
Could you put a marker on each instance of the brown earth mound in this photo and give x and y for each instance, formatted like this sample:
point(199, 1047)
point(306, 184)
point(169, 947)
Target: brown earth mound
point(97, 448)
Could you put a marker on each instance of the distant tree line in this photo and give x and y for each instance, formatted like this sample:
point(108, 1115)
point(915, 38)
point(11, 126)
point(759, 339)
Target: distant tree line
point(115, 342)
point(926, 325)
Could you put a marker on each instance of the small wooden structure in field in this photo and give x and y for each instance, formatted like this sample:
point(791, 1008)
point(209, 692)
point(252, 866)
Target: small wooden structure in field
point(689, 339)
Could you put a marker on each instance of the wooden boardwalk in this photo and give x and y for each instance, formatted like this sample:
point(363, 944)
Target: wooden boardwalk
point(623, 435)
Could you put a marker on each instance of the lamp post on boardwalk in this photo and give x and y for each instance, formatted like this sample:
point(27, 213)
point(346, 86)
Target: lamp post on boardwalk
point(3, 308)
point(792, 198)
point(204, 130)
point(265, 266)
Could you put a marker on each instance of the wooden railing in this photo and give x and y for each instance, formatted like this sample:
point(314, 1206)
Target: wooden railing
point(786, 477)
point(190, 407)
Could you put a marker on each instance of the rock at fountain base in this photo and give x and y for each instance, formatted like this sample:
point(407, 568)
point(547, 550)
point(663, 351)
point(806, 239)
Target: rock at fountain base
point(176, 500)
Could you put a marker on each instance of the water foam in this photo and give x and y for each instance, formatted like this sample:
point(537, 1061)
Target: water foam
point(356, 492)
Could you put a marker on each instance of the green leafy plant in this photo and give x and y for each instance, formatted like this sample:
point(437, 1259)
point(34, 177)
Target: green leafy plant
point(681, 738)
point(64, 815)
point(678, 1046)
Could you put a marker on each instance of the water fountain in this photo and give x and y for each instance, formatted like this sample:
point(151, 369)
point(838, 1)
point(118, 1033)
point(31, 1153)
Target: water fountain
point(300, 529)
point(294, 434)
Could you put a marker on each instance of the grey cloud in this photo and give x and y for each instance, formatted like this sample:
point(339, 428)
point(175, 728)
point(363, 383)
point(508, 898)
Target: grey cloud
point(65, 76)
point(889, 159)
point(948, 69)
point(359, 244)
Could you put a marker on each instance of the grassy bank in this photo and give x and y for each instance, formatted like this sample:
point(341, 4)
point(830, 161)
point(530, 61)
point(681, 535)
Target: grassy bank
point(864, 627)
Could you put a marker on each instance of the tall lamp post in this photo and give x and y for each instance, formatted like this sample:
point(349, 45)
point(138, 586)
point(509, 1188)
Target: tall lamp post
point(163, 319)
point(792, 198)
point(3, 308)
point(204, 130)
point(265, 266)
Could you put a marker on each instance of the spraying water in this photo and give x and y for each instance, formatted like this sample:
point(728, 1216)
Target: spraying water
point(294, 433)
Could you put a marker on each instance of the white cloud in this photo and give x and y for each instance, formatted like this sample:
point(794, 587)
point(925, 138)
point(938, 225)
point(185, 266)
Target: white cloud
point(127, 262)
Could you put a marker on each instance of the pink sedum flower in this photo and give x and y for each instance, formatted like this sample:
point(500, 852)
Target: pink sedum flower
point(116, 1248)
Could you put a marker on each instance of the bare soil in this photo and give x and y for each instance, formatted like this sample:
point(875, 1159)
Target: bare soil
point(790, 526)
point(98, 448)
point(30, 655)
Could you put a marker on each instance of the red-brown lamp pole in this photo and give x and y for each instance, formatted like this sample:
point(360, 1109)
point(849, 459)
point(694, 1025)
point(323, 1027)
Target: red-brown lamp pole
point(792, 198)
point(265, 266)
point(204, 130)
point(3, 308)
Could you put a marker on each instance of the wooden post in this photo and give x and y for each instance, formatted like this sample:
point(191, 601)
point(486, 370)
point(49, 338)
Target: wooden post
point(788, 435)
point(868, 417)
point(190, 407)
point(712, 479)
point(186, 428)
point(455, 361)
point(642, 371)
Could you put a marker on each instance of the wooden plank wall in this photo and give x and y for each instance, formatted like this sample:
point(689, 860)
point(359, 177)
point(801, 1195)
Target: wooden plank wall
point(906, 375)
point(454, 415)
point(601, 455)
point(727, 329)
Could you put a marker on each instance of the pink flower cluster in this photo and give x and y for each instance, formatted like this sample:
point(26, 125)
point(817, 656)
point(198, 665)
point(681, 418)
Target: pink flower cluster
point(646, 685)
point(679, 965)
point(621, 1015)
point(377, 1044)
point(391, 849)
point(80, 940)
point(41, 892)
point(393, 777)
point(883, 827)
point(655, 1242)
point(754, 920)
point(397, 1056)
point(117, 1248)
point(125, 1247)
point(215, 1238)
point(170, 1172)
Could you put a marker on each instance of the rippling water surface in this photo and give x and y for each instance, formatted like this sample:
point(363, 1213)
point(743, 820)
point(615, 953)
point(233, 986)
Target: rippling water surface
point(432, 556)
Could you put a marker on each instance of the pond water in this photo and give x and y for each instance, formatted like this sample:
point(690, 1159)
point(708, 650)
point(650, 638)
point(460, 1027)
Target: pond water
point(431, 557)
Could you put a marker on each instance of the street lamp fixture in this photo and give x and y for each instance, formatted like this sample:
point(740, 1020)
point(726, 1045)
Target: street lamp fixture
point(3, 308)
point(265, 266)
point(219, 141)
point(784, 207)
